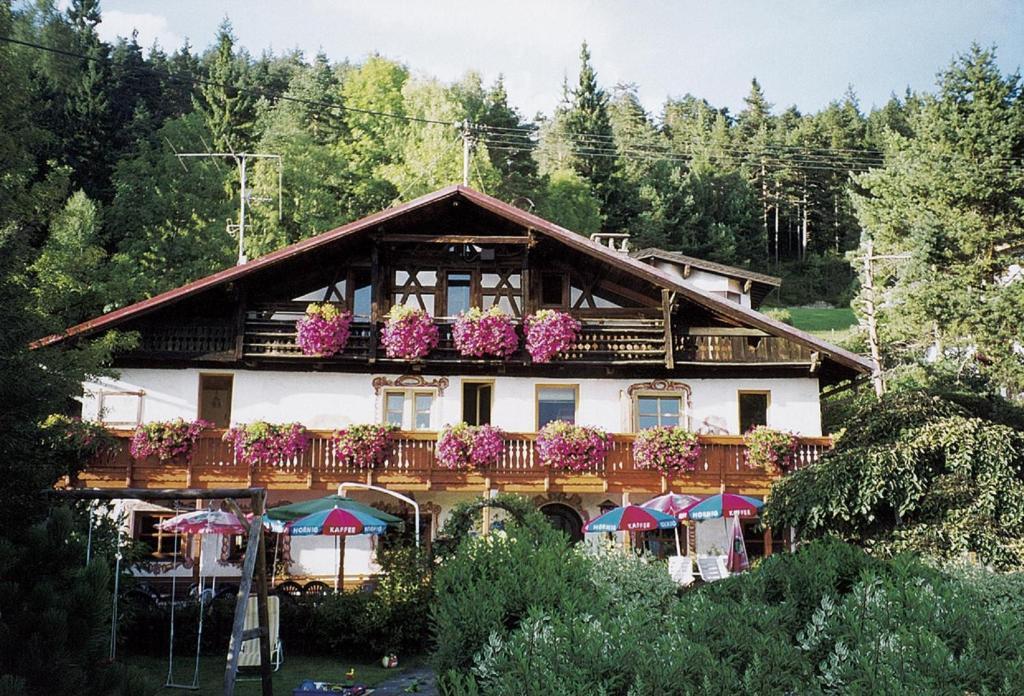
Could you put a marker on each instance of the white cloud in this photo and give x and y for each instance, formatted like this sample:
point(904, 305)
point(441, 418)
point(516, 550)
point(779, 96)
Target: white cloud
point(151, 27)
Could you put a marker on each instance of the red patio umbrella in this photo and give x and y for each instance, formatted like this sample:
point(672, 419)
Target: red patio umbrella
point(737, 560)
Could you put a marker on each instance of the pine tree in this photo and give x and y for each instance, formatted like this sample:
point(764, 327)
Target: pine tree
point(951, 197)
point(588, 129)
point(224, 99)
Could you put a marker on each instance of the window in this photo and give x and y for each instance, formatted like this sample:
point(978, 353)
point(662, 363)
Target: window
point(120, 408)
point(753, 409)
point(422, 405)
point(215, 399)
point(729, 295)
point(410, 410)
point(458, 298)
point(652, 411)
point(556, 403)
point(476, 402)
point(362, 294)
point(159, 542)
point(394, 408)
point(552, 289)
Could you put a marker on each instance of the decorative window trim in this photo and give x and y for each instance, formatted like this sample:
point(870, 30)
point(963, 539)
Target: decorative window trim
point(659, 387)
point(409, 395)
point(409, 382)
point(572, 501)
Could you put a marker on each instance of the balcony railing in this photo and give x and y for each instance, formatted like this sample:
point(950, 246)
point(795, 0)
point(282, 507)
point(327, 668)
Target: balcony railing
point(411, 465)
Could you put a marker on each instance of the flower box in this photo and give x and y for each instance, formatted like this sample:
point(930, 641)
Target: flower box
point(771, 450)
point(548, 333)
point(408, 333)
point(267, 442)
point(668, 449)
point(480, 334)
point(323, 331)
point(562, 445)
point(364, 446)
point(463, 446)
point(166, 440)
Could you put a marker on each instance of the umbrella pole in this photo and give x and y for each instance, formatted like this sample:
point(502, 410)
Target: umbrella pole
point(339, 579)
point(679, 551)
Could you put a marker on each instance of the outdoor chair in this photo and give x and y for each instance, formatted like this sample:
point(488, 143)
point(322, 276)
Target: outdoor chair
point(680, 569)
point(712, 568)
point(249, 655)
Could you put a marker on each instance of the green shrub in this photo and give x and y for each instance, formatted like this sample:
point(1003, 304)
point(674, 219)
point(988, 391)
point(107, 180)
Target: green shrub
point(827, 619)
point(491, 582)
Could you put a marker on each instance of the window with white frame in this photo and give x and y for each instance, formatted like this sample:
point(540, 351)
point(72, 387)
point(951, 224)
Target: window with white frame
point(409, 409)
point(653, 410)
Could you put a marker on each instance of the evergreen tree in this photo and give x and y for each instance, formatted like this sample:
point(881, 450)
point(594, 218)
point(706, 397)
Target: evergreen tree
point(951, 197)
point(224, 99)
point(588, 130)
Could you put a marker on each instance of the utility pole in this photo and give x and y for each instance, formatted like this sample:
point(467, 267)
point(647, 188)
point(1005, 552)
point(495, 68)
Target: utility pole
point(466, 141)
point(870, 313)
point(241, 160)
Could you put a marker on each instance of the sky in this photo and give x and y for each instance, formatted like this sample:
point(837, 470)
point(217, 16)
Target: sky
point(804, 52)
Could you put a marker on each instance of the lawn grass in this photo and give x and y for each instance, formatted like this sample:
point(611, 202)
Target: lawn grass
point(818, 321)
point(294, 670)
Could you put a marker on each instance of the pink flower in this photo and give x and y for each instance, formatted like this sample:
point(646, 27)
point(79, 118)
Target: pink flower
point(771, 450)
point(266, 442)
point(562, 445)
point(408, 333)
point(669, 449)
point(463, 446)
point(323, 331)
point(364, 445)
point(479, 334)
point(548, 333)
point(166, 439)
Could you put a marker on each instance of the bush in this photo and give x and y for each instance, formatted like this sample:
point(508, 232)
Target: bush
point(828, 619)
point(491, 581)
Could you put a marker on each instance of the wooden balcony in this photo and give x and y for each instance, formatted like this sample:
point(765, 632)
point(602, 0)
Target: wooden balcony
point(411, 466)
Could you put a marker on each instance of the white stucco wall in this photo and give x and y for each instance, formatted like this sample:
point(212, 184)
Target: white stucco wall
point(332, 400)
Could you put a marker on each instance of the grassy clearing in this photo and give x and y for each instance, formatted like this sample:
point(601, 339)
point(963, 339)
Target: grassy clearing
point(822, 320)
point(294, 670)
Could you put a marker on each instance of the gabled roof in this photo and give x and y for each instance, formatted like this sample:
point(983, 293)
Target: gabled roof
point(510, 213)
point(720, 268)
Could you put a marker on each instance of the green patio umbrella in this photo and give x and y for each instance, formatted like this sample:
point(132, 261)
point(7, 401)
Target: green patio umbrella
point(288, 513)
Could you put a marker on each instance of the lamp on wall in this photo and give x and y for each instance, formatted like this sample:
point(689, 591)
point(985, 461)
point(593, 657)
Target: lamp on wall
point(606, 506)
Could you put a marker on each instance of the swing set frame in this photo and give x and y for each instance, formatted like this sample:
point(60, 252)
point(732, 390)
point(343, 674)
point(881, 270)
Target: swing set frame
point(254, 566)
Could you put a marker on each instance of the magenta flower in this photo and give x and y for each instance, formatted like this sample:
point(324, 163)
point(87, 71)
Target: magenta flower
point(480, 334)
point(548, 333)
point(267, 442)
point(364, 446)
point(771, 450)
point(166, 439)
point(408, 333)
point(562, 445)
point(323, 331)
point(669, 449)
point(463, 446)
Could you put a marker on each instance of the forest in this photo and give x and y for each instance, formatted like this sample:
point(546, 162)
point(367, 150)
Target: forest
point(94, 130)
point(103, 209)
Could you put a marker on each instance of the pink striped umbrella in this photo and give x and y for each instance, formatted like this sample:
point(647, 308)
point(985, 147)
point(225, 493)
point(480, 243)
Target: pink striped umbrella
point(673, 504)
point(204, 522)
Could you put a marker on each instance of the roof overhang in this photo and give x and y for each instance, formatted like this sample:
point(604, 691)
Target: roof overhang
point(529, 221)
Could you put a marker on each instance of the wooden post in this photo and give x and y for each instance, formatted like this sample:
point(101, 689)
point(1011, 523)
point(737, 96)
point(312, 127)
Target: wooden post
point(376, 298)
point(244, 585)
point(667, 300)
point(262, 601)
